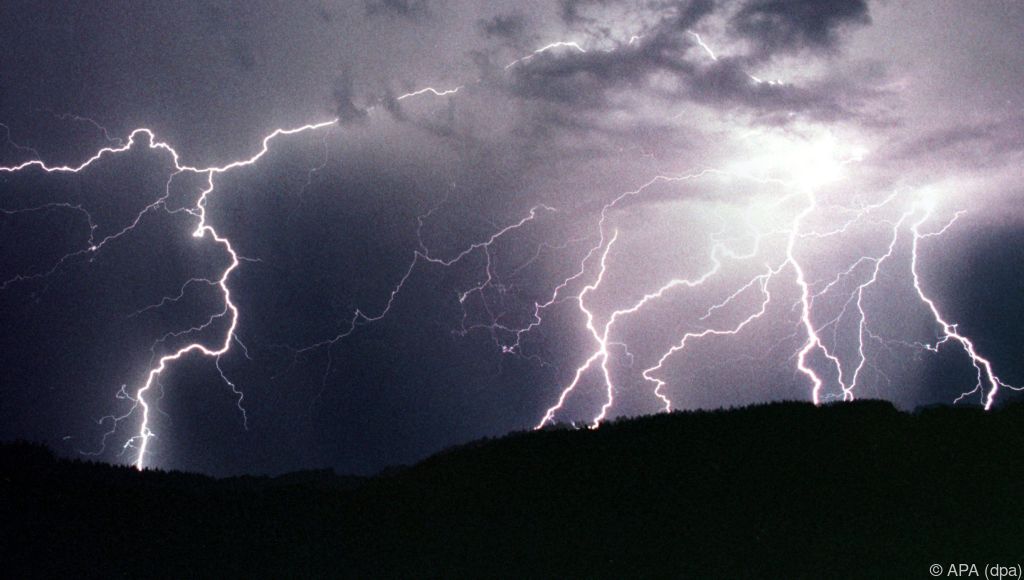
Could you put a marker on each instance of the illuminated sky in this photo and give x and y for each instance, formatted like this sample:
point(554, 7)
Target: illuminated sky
point(475, 191)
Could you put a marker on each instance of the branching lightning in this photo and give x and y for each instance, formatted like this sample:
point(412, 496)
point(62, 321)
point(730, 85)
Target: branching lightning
point(816, 357)
point(230, 311)
point(813, 341)
point(982, 365)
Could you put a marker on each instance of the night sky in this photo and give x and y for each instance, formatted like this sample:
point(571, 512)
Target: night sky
point(420, 266)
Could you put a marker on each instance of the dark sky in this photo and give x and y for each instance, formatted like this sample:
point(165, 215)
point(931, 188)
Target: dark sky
point(764, 146)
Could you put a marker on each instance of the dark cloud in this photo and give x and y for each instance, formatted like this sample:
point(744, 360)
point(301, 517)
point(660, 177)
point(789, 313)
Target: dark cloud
point(412, 9)
point(968, 144)
point(390, 103)
point(585, 80)
point(727, 85)
point(689, 12)
point(944, 139)
point(679, 13)
point(577, 78)
point(792, 25)
point(344, 100)
point(504, 26)
point(570, 9)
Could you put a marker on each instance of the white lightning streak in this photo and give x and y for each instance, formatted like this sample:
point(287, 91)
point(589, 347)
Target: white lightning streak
point(430, 90)
point(141, 440)
point(601, 334)
point(544, 49)
point(762, 282)
point(949, 331)
point(700, 42)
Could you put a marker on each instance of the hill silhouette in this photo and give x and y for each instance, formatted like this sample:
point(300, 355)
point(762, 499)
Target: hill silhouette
point(780, 490)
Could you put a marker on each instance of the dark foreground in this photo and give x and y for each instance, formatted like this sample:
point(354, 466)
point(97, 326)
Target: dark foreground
point(785, 490)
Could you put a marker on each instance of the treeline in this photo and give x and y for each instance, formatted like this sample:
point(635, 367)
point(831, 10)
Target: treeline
point(780, 490)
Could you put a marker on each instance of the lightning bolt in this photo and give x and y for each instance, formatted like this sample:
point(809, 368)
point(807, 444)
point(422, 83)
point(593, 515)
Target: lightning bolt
point(423, 254)
point(141, 440)
point(761, 282)
point(700, 43)
point(546, 48)
point(230, 311)
point(601, 337)
point(982, 365)
point(813, 341)
point(430, 90)
point(509, 337)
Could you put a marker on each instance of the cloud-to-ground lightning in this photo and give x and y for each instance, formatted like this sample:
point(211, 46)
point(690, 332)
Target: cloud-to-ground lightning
point(811, 328)
point(982, 365)
point(202, 229)
point(584, 279)
point(140, 442)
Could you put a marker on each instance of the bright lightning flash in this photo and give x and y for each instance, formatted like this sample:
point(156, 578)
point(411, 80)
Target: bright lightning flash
point(803, 169)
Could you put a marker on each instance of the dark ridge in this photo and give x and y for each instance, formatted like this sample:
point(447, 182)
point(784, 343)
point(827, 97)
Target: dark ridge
point(784, 490)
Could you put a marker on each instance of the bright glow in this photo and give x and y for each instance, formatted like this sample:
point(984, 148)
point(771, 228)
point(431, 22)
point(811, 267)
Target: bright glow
point(810, 163)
